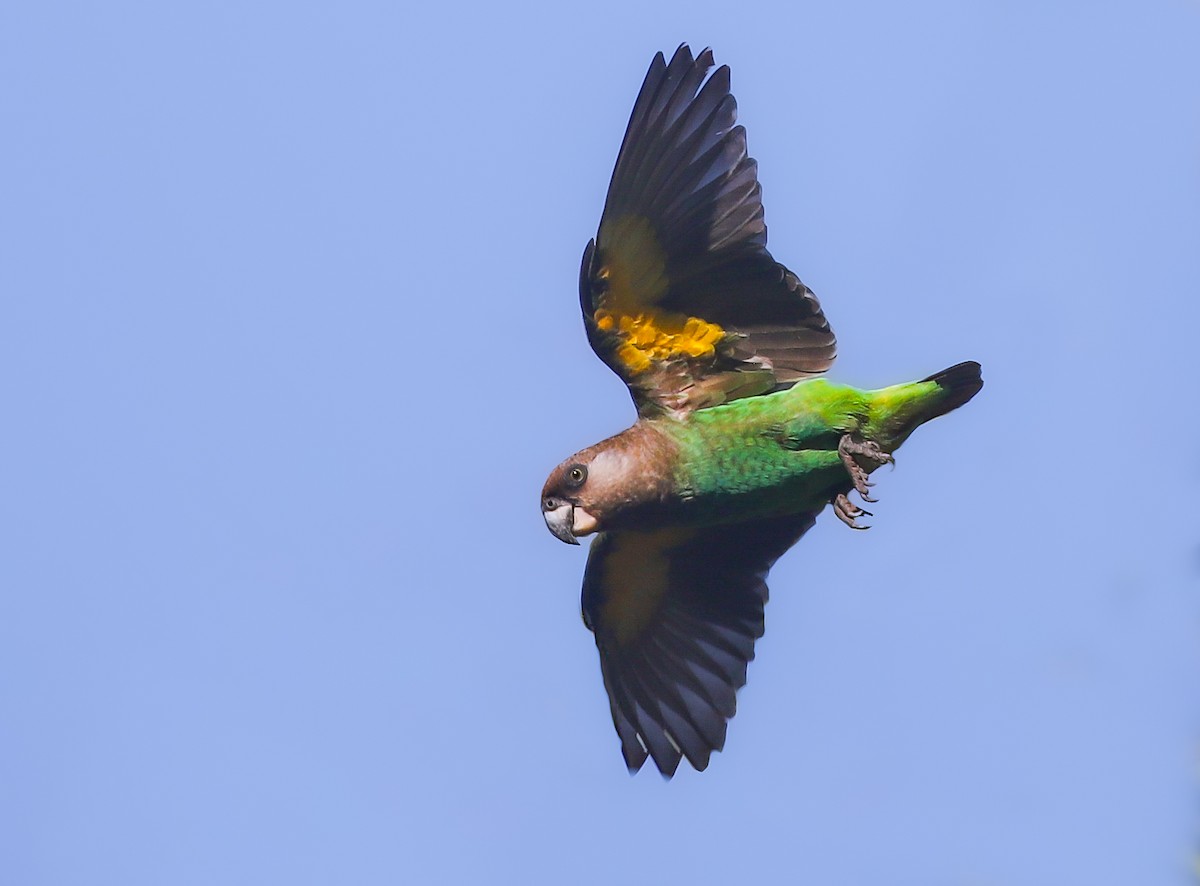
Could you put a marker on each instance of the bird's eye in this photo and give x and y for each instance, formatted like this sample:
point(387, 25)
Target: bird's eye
point(576, 475)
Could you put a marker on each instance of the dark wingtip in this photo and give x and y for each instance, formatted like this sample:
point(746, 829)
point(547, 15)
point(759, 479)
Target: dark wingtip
point(634, 756)
point(961, 382)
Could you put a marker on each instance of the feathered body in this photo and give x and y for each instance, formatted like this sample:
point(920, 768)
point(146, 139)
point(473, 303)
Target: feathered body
point(778, 454)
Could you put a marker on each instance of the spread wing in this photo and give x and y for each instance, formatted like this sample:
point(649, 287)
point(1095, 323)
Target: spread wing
point(679, 294)
point(675, 614)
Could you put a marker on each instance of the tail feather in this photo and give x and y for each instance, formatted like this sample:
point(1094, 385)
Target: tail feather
point(959, 384)
point(899, 410)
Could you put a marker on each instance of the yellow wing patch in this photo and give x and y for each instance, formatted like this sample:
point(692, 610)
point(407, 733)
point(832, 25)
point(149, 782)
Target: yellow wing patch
point(649, 337)
point(635, 277)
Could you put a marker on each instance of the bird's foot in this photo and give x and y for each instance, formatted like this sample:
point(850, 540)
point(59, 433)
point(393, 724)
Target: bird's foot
point(860, 458)
point(847, 511)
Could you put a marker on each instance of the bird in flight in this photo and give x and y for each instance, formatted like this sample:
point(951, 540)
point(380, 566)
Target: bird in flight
point(737, 445)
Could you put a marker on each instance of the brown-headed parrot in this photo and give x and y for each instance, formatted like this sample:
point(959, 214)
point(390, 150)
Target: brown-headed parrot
point(737, 446)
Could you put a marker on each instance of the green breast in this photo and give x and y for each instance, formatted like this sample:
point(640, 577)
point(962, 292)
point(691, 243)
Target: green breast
point(772, 454)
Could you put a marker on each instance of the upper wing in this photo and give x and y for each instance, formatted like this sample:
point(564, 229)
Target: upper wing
point(675, 614)
point(679, 294)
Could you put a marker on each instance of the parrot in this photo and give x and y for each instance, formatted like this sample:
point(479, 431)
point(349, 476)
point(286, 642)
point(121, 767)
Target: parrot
point(738, 444)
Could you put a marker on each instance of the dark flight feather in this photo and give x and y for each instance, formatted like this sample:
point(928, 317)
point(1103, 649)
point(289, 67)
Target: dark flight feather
point(683, 235)
point(672, 673)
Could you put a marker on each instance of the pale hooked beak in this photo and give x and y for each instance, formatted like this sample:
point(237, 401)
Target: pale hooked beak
point(565, 521)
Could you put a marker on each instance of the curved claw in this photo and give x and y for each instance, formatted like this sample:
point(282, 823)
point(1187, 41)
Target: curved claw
point(847, 511)
point(851, 451)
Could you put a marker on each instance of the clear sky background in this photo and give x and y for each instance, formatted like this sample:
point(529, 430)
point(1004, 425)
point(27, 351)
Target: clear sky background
point(289, 340)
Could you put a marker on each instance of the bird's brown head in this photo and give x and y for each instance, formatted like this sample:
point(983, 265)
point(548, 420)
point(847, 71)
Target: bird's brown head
point(564, 497)
point(603, 486)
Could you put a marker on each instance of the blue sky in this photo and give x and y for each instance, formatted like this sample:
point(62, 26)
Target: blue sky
point(290, 340)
